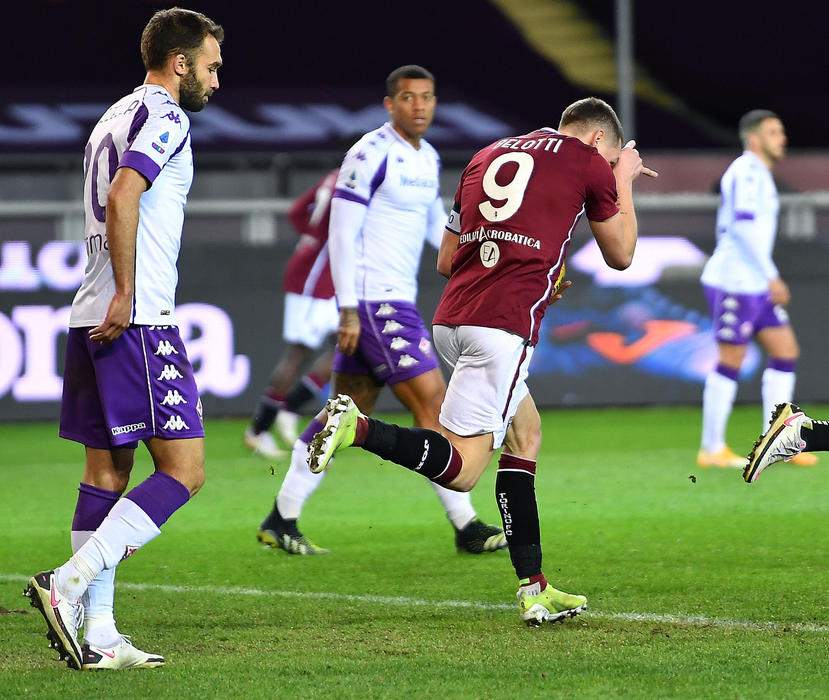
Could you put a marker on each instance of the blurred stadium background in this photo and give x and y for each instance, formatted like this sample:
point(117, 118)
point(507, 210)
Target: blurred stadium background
point(299, 78)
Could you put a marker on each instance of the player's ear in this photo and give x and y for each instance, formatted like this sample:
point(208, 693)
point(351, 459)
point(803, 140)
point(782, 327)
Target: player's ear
point(597, 137)
point(387, 103)
point(180, 64)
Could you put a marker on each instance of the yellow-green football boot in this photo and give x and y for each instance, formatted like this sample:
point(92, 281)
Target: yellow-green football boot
point(548, 605)
point(338, 433)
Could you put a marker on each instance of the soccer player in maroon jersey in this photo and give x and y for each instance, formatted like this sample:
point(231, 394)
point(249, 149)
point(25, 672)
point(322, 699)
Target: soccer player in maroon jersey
point(310, 318)
point(515, 211)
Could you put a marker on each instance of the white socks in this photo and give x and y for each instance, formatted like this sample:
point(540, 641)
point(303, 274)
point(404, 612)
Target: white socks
point(457, 504)
point(300, 482)
point(125, 529)
point(717, 401)
point(778, 387)
point(298, 485)
point(98, 601)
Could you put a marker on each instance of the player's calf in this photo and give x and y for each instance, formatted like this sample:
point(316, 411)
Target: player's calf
point(419, 449)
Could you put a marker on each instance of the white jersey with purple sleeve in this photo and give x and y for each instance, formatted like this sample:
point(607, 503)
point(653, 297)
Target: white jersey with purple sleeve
point(746, 229)
point(385, 205)
point(150, 133)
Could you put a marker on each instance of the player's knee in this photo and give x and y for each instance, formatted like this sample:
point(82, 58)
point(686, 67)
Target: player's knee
point(196, 479)
point(463, 482)
point(190, 473)
point(525, 440)
point(121, 480)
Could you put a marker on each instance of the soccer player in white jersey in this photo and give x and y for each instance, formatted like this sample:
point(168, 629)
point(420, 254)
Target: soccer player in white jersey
point(385, 205)
point(127, 375)
point(744, 290)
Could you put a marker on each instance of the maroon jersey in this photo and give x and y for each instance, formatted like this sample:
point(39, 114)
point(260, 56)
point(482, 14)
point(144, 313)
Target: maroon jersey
point(516, 207)
point(308, 271)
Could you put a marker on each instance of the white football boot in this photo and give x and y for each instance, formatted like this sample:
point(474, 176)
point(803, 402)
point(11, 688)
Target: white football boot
point(263, 444)
point(122, 656)
point(63, 616)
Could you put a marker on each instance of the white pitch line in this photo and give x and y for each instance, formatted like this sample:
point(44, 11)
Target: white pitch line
point(683, 620)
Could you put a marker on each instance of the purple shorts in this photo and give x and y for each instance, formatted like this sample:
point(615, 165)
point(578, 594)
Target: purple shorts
point(737, 317)
point(138, 387)
point(394, 343)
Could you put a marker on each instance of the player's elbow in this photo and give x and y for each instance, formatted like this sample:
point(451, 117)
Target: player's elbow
point(117, 199)
point(444, 267)
point(619, 260)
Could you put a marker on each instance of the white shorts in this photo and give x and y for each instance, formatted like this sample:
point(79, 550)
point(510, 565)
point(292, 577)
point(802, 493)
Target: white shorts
point(488, 382)
point(309, 321)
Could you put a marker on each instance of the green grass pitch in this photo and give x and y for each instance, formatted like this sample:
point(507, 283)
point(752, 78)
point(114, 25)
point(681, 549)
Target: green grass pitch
point(698, 587)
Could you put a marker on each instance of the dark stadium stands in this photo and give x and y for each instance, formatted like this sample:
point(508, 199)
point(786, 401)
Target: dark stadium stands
point(717, 59)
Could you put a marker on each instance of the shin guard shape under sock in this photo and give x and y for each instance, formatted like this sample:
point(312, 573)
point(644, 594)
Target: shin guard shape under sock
point(419, 449)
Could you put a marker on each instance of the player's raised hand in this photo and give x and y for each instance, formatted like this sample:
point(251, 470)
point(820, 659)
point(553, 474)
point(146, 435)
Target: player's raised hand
point(116, 322)
point(630, 163)
point(348, 334)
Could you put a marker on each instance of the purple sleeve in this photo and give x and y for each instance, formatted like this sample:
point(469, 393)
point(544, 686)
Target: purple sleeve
point(142, 163)
point(158, 132)
point(341, 193)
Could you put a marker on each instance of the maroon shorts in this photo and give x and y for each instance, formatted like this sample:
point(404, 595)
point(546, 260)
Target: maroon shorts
point(138, 387)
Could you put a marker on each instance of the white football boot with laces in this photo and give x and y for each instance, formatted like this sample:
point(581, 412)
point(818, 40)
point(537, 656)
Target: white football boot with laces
point(63, 616)
point(122, 656)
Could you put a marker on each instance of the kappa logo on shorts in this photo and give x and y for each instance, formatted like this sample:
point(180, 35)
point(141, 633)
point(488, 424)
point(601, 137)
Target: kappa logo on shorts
point(727, 334)
point(391, 327)
point(165, 348)
point(131, 428)
point(425, 346)
point(729, 318)
point(731, 304)
point(781, 314)
point(407, 361)
point(175, 423)
point(173, 398)
point(169, 373)
point(399, 343)
point(385, 310)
